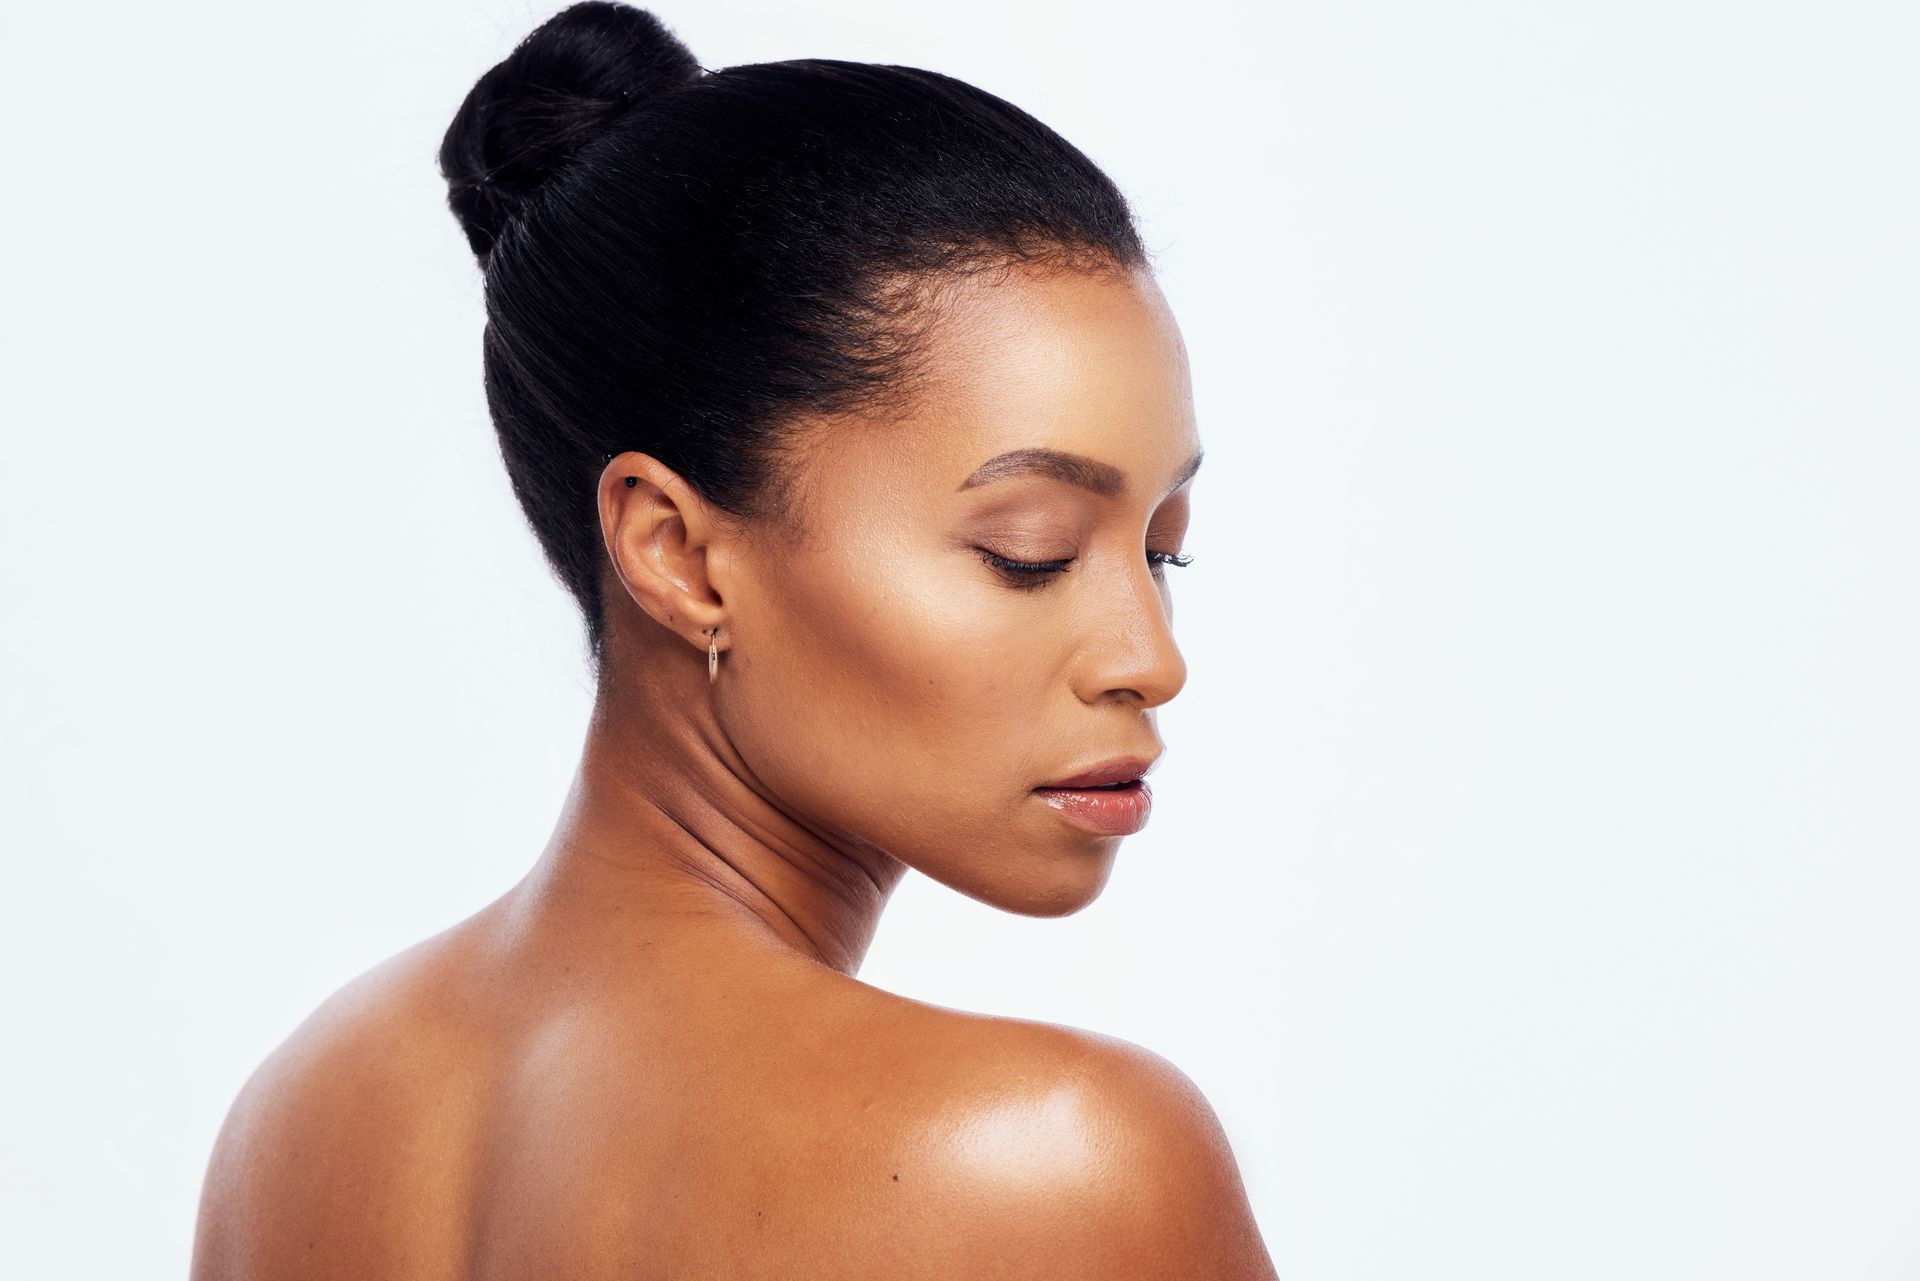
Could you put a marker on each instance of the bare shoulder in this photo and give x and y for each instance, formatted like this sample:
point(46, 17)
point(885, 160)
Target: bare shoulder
point(338, 1117)
point(1052, 1151)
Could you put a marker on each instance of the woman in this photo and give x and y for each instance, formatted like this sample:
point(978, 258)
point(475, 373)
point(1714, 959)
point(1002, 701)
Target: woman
point(842, 399)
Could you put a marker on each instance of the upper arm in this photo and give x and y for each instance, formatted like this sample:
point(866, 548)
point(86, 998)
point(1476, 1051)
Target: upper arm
point(1108, 1163)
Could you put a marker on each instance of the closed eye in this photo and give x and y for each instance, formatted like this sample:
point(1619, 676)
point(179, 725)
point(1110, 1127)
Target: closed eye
point(1024, 574)
point(1027, 574)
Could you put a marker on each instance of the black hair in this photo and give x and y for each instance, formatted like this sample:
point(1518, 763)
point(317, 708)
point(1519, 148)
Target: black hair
point(692, 263)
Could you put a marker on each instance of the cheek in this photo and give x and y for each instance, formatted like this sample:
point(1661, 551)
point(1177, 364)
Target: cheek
point(892, 688)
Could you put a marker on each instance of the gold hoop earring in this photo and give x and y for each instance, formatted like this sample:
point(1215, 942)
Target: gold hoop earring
point(713, 655)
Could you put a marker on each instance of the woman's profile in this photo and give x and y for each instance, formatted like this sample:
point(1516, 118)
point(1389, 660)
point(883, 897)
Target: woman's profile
point(842, 399)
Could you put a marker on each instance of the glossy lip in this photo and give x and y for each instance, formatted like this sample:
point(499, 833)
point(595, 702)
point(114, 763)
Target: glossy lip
point(1119, 770)
point(1119, 811)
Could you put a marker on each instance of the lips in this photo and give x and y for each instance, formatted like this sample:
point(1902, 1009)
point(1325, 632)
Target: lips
point(1118, 809)
point(1121, 769)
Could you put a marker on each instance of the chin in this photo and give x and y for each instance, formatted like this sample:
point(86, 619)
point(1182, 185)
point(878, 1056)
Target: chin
point(1059, 886)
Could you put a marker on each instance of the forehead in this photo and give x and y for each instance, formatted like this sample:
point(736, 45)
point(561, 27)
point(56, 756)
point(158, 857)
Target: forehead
point(1068, 360)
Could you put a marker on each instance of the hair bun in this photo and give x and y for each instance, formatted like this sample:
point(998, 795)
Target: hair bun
point(532, 112)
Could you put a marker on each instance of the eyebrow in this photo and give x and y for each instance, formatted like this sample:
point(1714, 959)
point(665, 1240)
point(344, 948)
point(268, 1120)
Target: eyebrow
point(1087, 473)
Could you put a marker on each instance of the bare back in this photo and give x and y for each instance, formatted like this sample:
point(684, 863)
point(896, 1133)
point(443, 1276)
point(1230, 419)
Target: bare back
point(465, 1111)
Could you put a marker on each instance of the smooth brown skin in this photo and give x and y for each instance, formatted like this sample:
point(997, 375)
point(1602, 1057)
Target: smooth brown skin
point(651, 1057)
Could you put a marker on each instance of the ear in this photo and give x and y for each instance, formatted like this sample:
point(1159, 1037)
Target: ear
point(668, 546)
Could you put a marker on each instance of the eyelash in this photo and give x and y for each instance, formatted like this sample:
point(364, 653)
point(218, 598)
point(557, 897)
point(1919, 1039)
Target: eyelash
point(1028, 575)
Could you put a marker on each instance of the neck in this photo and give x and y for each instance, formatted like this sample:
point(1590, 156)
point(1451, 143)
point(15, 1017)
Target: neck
point(664, 820)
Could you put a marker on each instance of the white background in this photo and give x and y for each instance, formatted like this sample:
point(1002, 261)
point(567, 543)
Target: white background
point(1533, 876)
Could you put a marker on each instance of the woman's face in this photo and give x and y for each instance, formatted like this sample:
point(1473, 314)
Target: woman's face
point(895, 689)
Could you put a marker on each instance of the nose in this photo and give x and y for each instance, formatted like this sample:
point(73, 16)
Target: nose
point(1130, 652)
